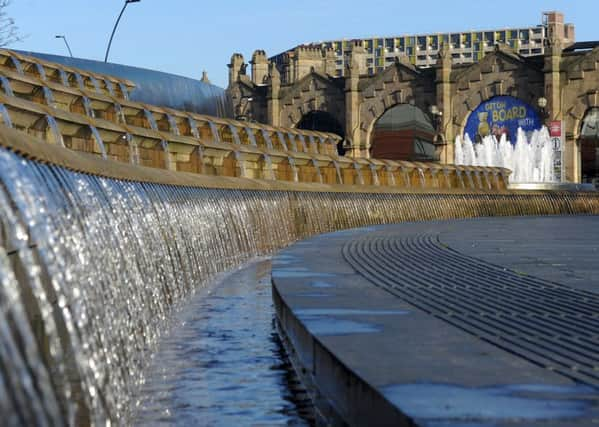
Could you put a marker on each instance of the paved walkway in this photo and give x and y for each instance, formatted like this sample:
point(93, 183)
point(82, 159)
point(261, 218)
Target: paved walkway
point(474, 322)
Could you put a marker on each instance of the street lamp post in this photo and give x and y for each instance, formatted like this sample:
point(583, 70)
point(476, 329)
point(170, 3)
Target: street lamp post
point(65, 42)
point(116, 24)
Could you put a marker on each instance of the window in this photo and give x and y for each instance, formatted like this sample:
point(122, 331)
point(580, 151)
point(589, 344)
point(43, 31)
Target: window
point(524, 35)
point(455, 40)
point(535, 51)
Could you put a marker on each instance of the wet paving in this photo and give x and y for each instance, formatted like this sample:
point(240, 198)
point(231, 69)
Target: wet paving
point(223, 363)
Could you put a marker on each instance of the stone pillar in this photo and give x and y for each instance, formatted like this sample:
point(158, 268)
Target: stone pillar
point(352, 106)
point(443, 81)
point(259, 64)
point(330, 61)
point(236, 67)
point(273, 97)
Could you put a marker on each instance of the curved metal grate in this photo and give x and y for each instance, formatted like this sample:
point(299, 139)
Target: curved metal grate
point(548, 324)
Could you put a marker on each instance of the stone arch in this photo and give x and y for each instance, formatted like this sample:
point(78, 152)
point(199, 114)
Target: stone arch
point(397, 84)
point(497, 74)
point(314, 92)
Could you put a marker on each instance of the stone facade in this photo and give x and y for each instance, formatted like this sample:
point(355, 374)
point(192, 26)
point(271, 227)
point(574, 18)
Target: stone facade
point(569, 80)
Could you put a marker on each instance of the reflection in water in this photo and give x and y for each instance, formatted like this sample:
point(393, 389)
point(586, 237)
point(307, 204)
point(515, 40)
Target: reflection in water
point(222, 364)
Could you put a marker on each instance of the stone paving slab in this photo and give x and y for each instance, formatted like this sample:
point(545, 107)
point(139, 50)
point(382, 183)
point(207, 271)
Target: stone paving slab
point(377, 359)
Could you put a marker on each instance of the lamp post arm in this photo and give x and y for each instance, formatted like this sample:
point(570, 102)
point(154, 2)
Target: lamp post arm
point(116, 24)
point(68, 47)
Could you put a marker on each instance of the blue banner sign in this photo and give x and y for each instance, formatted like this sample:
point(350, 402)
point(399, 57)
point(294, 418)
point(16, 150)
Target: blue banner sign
point(502, 115)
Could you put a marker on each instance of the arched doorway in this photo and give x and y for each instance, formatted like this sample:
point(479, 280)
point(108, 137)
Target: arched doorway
point(589, 147)
point(404, 132)
point(324, 122)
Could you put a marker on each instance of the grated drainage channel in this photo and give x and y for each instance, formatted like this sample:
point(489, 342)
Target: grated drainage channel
point(546, 323)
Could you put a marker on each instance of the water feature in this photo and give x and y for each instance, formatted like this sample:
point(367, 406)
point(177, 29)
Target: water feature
point(292, 142)
point(80, 81)
point(120, 113)
point(150, 119)
point(91, 269)
point(5, 116)
point(406, 177)
point(56, 134)
point(251, 137)
point(222, 364)
point(313, 144)
point(96, 84)
point(302, 141)
point(124, 91)
point(17, 64)
point(167, 153)
point(172, 123)
point(193, 127)
point(87, 106)
point(99, 142)
point(48, 96)
point(240, 165)
point(268, 172)
point(447, 176)
point(529, 161)
point(390, 176)
point(374, 174)
point(267, 139)
point(133, 149)
point(214, 131)
point(41, 71)
point(235, 134)
point(109, 87)
point(281, 137)
point(6, 86)
point(359, 176)
point(318, 171)
point(460, 177)
point(421, 177)
point(294, 171)
point(338, 172)
point(64, 77)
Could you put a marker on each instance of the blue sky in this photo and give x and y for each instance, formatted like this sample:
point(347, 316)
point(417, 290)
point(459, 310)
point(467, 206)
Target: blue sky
point(187, 36)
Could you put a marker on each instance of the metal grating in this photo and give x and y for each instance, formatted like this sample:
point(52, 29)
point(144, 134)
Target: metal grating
point(548, 324)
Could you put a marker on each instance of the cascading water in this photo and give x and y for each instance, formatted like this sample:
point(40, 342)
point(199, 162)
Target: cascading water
point(292, 142)
point(214, 131)
point(235, 134)
point(529, 161)
point(6, 86)
point(193, 127)
point(124, 91)
point(99, 141)
point(53, 127)
point(251, 137)
point(64, 77)
point(5, 116)
point(91, 268)
point(41, 71)
point(281, 137)
point(17, 64)
point(172, 123)
point(267, 140)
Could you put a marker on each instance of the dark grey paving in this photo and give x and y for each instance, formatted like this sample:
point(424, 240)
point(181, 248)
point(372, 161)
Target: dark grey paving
point(367, 344)
point(560, 249)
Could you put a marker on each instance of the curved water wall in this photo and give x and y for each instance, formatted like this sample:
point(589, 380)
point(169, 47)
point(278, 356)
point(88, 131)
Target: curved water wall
point(95, 254)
